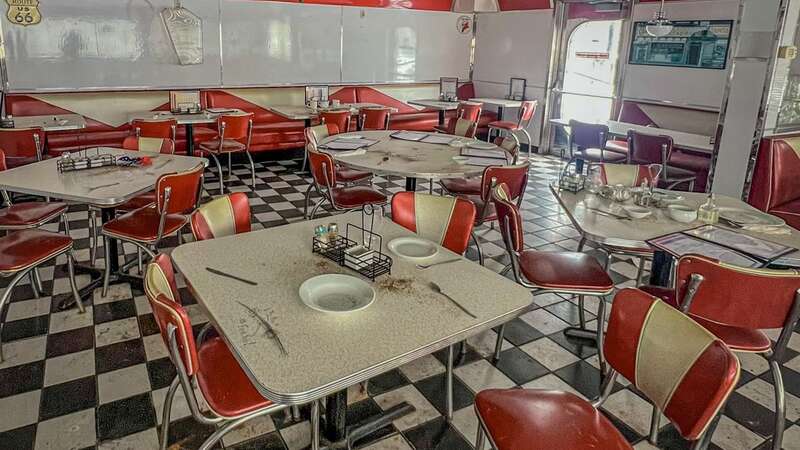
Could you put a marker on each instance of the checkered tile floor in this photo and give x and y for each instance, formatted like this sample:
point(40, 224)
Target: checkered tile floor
point(98, 380)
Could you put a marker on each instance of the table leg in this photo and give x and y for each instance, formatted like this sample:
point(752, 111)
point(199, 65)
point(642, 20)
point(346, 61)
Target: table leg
point(336, 416)
point(189, 139)
point(106, 215)
point(411, 184)
point(449, 385)
point(441, 117)
point(306, 124)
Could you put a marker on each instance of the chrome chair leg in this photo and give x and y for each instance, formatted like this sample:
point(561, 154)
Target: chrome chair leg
point(139, 260)
point(315, 425)
point(477, 247)
point(449, 384)
point(308, 200)
point(640, 272)
point(219, 173)
point(780, 403)
point(655, 422)
point(107, 272)
point(173, 387)
point(314, 210)
point(581, 312)
point(93, 244)
point(73, 284)
point(480, 438)
point(4, 299)
point(581, 244)
point(601, 320)
point(252, 168)
point(37, 293)
point(530, 142)
point(498, 346)
point(230, 166)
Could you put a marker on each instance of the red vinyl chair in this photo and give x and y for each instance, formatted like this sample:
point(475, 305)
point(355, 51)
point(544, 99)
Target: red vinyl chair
point(373, 119)
point(234, 133)
point(448, 221)
point(155, 128)
point(587, 141)
point(524, 117)
point(472, 185)
point(516, 180)
point(339, 118)
point(178, 195)
point(657, 149)
point(735, 304)
point(22, 252)
point(683, 369)
point(341, 198)
point(22, 145)
point(223, 216)
point(204, 366)
point(470, 111)
point(149, 144)
point(571, 273)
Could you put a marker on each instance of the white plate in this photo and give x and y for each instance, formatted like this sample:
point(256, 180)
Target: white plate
point(745, 217)
point(482, 145)
point(351, 136)
point(413, 248)
point(334, 293)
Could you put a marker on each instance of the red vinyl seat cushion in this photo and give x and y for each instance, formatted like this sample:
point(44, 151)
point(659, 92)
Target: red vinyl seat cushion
point(26, 248)
point(29, 214)
point(346, 175)
point(142, 224)
point(504, 125)
point(594, 155)
point(356, 196)
point(545, 420)
point(564, 270)
point(617, 145)
point(463, 186)
point(223, 383)
point(689, 161)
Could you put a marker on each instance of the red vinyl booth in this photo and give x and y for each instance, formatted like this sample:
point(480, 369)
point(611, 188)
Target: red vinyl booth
point(776, 179)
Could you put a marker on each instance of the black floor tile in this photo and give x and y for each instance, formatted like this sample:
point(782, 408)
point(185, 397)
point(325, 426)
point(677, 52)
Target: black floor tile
point(582, 348)
point(161, 372)
point(271, 441)
point(119, 355)
point(71, 341)
point(385, 382)
point(583, 377)
point(107, 312)
point(19, 439)
point(68, 397)
point(433, 388)
point(518, 332)
point(127, 416)
point(436, 435)
point(752, 415)
point(520, 366)
point(25, 328)
point(22, 378)
point(188, 433)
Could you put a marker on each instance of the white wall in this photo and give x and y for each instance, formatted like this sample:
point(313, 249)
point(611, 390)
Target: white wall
point(513, 44)
point(685, 86)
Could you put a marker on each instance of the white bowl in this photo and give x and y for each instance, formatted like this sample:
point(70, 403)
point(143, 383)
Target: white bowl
point(682, 213)
point(460, 159)
point(637, 212)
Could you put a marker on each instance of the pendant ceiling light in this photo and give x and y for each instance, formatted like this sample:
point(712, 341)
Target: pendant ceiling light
point(659, 26)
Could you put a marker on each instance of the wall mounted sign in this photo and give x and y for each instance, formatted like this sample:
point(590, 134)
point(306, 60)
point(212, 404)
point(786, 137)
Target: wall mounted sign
point(23, 12)
point(464, 24)
point(186, 33)
point(701, 44)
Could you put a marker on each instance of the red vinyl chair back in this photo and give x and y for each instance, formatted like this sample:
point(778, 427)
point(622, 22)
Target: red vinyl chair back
point(526, 112)
point(339, 118)
point(509, 217)
point(469, 110)
point(235, 126)
point(223, 216)
point(515, 178)
point(587, 135)
point(510, 146)
point(374, 119)
point(681, 367)
point(162, 293)
point(322, 167)
point(184, 191)
point(3, 166)
point(630, 175)
point(156, 128)
point(148, 144)
point(314, 135)
point(735, 296)
point(649, 148)
point(22, 142)
point(448, 221)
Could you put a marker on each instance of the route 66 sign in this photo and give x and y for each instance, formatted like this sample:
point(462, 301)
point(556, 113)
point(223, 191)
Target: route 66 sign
point(23, 12)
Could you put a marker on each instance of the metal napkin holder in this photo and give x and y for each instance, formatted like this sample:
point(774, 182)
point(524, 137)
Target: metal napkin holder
point(339, 249)
point(69, 164)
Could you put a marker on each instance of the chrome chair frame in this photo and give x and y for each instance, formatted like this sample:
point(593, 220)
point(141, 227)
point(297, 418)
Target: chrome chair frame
point(36, 282)
point(187, 384)
point(522, 128)
point(326, 195)
point(362, 119)
point(537, 290)
point(246, 152)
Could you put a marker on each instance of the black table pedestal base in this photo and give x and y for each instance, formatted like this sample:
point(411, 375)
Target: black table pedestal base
point(411, 184)
point(356, 432)
point(590, 336)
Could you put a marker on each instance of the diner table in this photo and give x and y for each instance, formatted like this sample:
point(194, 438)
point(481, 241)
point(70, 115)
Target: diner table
point(500, 103)
point(51, 122)
point(604, 229)
point(409, 159)
point(308, 114)
point(103, 187)
point(439, 105)
point(187, 120)
point(689, 141)
point(308, 354)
